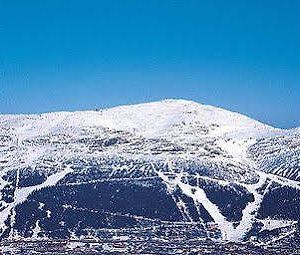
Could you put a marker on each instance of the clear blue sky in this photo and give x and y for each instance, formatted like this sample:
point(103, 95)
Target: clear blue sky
point(69, 55)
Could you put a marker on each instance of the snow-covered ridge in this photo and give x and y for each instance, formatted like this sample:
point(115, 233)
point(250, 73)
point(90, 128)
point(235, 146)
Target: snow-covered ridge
point(185, 149)
point(154, 119)
point(296, 130)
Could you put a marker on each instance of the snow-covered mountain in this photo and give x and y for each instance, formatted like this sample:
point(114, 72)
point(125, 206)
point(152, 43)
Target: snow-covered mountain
point(138, 169)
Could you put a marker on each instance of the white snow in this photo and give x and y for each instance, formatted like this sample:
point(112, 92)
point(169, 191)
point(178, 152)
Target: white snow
point(271, 224)
point(229, 232)
point(74, 244)
point(36, 230)
point(172, 120)
point(21, 194)
point(148, 119)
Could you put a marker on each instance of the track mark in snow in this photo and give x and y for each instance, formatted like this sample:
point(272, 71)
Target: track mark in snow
point(198, 195)
point(251, 208)
point(36, 230)
point(21, 194)
point(270, 224)
point(229, 232)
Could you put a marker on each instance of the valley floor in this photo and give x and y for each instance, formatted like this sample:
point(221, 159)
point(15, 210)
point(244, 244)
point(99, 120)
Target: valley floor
point(151, 246)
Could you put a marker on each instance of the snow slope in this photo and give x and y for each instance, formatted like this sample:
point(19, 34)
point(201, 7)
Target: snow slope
point(191, 153)
point(148, 119)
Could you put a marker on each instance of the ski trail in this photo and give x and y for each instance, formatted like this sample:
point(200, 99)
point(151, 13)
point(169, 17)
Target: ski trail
point(284, 181)
point(250, 211)
point(228, 231)
point(36, 230)
point(21, 194)
point(198, 195)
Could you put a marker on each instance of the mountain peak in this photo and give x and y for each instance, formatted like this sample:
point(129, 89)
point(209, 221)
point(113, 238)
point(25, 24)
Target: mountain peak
point(157, 118)
point(153, 119)
point(51, 161)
